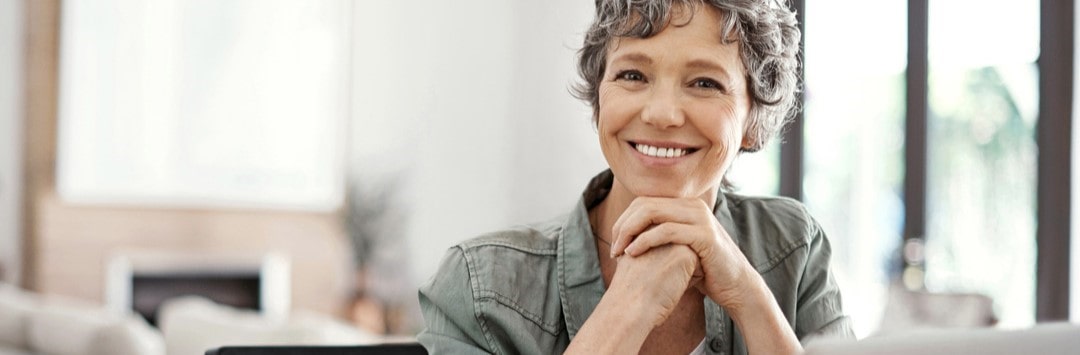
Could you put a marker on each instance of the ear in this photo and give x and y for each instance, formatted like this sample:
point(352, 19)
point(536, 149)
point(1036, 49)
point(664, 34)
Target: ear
point(747, 142)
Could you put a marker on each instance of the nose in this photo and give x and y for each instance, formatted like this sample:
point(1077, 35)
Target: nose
point(662, 109)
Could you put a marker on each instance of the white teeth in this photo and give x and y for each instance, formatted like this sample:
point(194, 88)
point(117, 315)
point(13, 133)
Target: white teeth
point(660, 152)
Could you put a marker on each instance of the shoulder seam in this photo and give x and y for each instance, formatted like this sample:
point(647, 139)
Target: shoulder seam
point(469, 246)
point(739, 199)
point(808, 232)
point(775, 261)
point(474, 287)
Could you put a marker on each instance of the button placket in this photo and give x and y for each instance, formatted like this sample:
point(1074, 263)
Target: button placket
point(715, 327)
point(716, 345)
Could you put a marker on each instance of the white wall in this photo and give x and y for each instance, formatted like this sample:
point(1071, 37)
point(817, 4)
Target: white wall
point(469, 99)
point(556, 150)
point(11, 46)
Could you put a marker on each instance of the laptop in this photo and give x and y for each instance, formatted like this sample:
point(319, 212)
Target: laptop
point(1042, 339)
point(386, 349)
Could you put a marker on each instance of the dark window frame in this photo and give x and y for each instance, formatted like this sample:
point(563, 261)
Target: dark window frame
point(791, 147)
point(1053, 137)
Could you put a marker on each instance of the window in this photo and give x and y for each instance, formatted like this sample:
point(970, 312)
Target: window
point(853, 170)
point(981, 162)
point(982, 153)
point(757, 173)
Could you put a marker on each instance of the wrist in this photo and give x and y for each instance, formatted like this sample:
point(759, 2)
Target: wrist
point(622, 296)
point(611, 329)
point(756, 313)
point(751, 296)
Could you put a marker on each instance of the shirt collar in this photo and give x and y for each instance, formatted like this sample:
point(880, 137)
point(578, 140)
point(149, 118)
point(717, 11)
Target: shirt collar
point(580, 283)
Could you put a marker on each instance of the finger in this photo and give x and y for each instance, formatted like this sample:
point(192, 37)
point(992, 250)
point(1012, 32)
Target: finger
point(664, 234)
point(618, 242)
point(618, 247)
point(646, 212)
point(638, 217)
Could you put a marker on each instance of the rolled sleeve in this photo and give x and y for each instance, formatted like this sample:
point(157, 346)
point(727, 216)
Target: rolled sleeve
point(820, 312)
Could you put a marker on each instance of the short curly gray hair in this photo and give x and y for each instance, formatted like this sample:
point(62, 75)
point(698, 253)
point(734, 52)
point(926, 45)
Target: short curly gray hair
point(769, 37)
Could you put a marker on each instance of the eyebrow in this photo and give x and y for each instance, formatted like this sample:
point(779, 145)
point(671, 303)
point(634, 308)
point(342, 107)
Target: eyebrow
point(634, 57)
point(705, 64)
point(697, 64)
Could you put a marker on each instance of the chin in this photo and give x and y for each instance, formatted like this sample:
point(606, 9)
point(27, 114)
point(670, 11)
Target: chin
point(660, 188)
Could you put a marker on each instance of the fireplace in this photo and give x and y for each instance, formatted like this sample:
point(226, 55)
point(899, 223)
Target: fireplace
point(141, 281)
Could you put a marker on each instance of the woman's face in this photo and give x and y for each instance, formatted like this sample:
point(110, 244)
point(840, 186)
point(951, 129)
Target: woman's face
point(673, 108)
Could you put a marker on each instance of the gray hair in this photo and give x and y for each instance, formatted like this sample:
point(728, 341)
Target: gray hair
point(769, 45)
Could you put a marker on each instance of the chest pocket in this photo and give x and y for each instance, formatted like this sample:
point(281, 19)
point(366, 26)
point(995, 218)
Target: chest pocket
point(516, 288)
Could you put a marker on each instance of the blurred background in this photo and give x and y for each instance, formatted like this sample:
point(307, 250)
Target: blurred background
point(321, 155)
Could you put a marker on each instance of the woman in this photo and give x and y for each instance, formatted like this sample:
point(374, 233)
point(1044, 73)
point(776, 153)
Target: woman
point(656, 258)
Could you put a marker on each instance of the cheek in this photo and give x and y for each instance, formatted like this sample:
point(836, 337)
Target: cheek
point(603, 104)
point(728, 123)
point(612, 113)
point(734, 127)
point(739, 114)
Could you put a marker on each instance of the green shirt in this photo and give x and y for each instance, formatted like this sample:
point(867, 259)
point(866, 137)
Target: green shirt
point(528, 290)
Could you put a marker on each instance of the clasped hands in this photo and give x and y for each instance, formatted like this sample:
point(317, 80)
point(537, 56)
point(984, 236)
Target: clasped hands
point(666, 245)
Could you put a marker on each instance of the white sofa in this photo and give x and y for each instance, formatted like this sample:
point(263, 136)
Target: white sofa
point(193, 324)
point(32, 324)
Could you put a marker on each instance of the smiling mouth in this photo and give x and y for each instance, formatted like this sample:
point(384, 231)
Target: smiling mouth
point(662, 152)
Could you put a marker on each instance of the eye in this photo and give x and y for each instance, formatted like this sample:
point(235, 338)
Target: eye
point(630, 75)
point(706, 83)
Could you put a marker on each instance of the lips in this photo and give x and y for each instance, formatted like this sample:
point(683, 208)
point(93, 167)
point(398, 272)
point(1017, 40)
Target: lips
point(662, 151)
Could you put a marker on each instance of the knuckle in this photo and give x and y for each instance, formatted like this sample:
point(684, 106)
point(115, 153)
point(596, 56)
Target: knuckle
point(656, 205)
point(670, 231)
point(666, 230)
point(685, 252)
point(649, 208)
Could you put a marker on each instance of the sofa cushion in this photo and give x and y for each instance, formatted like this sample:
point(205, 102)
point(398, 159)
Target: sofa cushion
point(320, 329)
point(15, 309)
point(13, 351)
point(55, 325)
point(63, 326)
point(129, 336)
point(191, 325)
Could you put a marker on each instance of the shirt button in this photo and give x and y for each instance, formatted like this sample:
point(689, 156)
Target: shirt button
point(716, 345)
